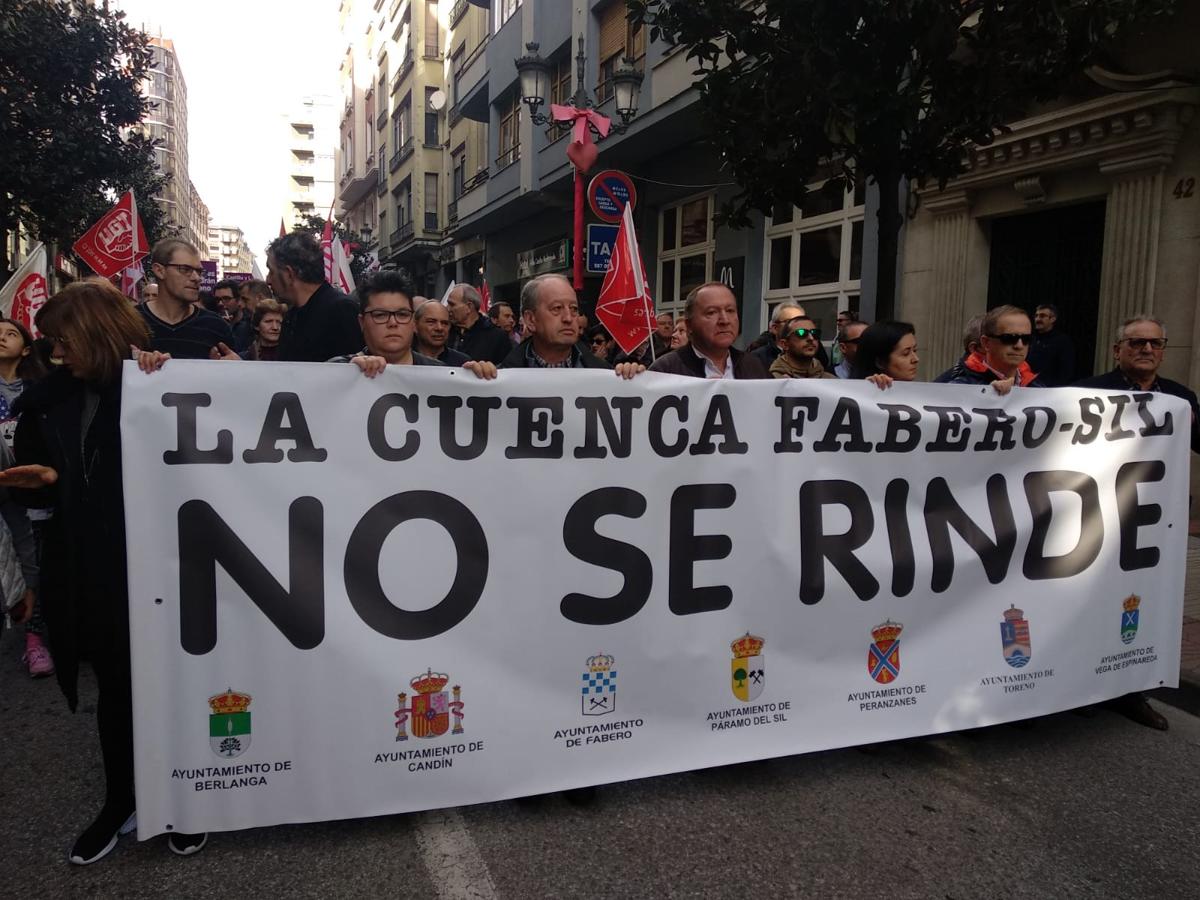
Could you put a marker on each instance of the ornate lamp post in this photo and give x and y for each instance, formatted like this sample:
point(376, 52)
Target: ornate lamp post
point(534, 74)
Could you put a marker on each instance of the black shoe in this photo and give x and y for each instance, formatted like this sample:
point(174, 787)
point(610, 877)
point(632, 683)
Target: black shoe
point(186, 844)
point(584, 796)
point(1137, 708)
point(101, 836)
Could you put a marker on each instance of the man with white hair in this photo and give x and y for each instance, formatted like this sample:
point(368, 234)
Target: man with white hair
point(474, 334)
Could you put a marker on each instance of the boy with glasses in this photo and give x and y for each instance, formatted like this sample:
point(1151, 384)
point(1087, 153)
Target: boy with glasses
point(178, 327)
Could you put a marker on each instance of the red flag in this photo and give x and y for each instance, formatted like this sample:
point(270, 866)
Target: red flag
point(282, 229)
point(485, 296)
point(327, 247)
point(625, 307)
point(117, 241)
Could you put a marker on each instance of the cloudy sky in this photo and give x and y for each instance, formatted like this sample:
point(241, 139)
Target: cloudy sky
point(246, 63)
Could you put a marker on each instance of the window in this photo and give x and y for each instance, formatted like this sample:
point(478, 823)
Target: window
point(456, 64)
point(431, 201)
point(509, 143)
point(402, 123)
point(431, 119)
point(369, 144)
point(560, 92)
point(458, 172)
point(348, 148)
point(619, 38)
point(686, 245)
point(433, 39)
point(404, 203)
point(505, 10)
point(814, 253)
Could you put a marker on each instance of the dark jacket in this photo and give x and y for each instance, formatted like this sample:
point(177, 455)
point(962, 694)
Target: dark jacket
point(483, 341)
point(973, 370)
point(1052, 356)
point(1116, 381)
point(324, 327)
point(452, 357)
point(520, 357)
point(417, 358)
point(684, 361)
point(243, 334)
point(84, 589)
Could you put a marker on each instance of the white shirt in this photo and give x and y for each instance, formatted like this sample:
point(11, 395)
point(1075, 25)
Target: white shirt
point(710, 368)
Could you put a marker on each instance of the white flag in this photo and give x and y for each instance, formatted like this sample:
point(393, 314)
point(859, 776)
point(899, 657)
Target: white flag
point(23, 294)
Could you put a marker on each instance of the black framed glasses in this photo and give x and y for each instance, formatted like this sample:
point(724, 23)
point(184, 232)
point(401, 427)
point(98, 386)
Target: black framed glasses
point(1011, 339)
point(814, 333)
point(185, 269)
point(382, 316)
point(1139, 343)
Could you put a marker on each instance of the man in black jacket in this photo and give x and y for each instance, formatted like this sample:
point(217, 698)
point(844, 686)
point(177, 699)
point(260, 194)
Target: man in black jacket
point(322, 323)
point(475, 335)
point(712, 317)
point(1052, 354)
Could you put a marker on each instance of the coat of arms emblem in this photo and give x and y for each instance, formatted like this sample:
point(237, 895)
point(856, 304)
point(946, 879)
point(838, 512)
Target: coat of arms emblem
point(748, 670)
point(599, 686)
point(1129, 618)
point(1014, 636)
point(229, 724)
point(883, 656)
point(431, 708)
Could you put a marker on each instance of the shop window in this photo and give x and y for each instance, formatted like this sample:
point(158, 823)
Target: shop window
point(686, 243)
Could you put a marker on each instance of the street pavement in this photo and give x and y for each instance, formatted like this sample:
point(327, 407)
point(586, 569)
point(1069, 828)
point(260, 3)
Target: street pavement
point(1064, 806)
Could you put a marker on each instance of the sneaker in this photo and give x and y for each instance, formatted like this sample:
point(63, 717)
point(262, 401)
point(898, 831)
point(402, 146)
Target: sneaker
point(186, 844)
point(37, 657)
point(101, 836)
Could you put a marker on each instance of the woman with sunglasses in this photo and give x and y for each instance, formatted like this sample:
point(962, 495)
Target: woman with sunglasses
point(887, 353)
point(1000, 360)
point(600, 343)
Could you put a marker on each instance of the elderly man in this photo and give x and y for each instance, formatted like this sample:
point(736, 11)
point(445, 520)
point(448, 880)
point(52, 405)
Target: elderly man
point(550, 314)
point(1138, 354)
point(321, 322)
point(433, 331)
point(847, 340)
point(474, 334)
point(386, 318)
point(712, 318)
point(970, 342)
point(1004, 340)
point(799, 340)
point(504, 318)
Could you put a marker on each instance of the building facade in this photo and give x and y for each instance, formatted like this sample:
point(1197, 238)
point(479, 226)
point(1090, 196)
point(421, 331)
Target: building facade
point(1091, 203)
point(311, 138)
point(227, 245)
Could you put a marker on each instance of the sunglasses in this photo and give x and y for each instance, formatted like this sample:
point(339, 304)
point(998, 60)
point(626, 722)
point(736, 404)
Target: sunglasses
point(814, 333)
point(1012, 339)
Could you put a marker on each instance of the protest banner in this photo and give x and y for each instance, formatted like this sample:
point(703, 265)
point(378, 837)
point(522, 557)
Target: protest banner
point(352, 597)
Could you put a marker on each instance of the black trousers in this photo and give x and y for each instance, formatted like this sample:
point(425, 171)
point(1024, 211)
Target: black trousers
point(109, 652)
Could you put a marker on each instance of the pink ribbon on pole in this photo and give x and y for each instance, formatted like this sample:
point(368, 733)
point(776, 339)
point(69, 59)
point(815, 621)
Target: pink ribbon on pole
point(581, 118)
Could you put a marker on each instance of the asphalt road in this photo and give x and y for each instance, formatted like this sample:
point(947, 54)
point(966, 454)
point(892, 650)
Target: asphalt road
point(1062, 807)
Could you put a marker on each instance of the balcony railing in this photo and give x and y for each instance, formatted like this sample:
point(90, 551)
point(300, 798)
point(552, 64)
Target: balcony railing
point(405, 68)
point(475, 181)
point(508, 157)
point(405, 151)
point(401, 234)
point(381, 119)
point(458, 11)
point(452, 211)
point(455, 115)
point(431, 221)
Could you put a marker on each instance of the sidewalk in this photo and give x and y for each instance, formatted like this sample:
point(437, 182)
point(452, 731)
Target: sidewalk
point(1189, 659)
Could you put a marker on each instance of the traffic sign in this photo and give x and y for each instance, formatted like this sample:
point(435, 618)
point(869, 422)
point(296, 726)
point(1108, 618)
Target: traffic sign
point(600, 240)
point(608, 193)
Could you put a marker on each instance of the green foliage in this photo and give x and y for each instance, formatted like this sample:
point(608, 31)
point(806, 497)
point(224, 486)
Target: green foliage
point(360, 255)
point(882, 89)
point(71, 75)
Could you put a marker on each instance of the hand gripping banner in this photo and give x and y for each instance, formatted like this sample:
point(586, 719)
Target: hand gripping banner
point(352, 596)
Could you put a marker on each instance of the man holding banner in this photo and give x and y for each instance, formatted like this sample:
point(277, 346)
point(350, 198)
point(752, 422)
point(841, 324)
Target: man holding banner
point(712, 316)
point(177, 325)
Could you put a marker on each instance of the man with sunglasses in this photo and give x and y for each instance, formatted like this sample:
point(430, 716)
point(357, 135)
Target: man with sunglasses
point(386, 317)
point(177, 325)
point(798, 341)
point(1000, 360)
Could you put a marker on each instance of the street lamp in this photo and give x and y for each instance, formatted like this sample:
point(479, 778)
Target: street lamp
point(533, 73)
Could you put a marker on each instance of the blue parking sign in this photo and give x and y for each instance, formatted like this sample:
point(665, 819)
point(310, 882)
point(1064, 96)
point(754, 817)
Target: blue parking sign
point(600, 240)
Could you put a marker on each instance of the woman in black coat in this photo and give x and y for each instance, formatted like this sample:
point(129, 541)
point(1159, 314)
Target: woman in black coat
point(68, 449)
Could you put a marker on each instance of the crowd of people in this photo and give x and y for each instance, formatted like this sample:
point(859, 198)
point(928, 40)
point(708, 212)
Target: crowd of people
point(62, 547)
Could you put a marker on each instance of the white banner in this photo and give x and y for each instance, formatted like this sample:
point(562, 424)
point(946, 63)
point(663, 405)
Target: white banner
point(352, 597)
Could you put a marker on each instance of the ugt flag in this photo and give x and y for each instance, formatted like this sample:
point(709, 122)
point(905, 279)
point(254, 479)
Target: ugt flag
point(23, 295)
point(625, 307)
point(116, 242)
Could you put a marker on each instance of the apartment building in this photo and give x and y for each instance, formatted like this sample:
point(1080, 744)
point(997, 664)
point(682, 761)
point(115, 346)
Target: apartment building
point(227, 245)
point(398, 134)
point(308, 171)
